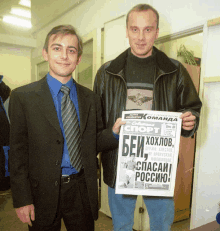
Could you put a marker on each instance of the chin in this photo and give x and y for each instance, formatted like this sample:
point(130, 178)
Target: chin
point(143, 54)
point(66, 76)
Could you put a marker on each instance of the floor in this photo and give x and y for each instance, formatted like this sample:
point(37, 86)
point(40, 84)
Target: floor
point(10, 222)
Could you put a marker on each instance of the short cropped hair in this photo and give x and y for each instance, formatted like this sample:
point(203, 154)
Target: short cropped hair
point(143, 7)
point(64, 30)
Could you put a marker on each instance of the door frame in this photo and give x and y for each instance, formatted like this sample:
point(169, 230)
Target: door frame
point(95, 36)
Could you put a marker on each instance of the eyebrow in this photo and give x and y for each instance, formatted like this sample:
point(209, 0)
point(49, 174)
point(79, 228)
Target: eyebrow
point(57, 44)
point(138, 27)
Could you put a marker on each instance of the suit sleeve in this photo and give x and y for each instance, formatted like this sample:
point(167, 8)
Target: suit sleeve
point(18, 156)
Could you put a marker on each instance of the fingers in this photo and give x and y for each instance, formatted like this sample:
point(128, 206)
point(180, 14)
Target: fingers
point(188, 126)
point(186, 114)
point(26, 214)
point(188, 121)
point(32, 213)
point(117, 126)
point(29, 221)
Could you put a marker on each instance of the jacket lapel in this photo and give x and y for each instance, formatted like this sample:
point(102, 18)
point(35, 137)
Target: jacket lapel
point(46, 105)
point(84, 106)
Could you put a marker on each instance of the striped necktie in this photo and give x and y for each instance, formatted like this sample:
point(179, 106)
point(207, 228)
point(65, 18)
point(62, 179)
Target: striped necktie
point(71, 129)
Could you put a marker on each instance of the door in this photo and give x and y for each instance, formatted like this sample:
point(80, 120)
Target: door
point(91, 59)
point(184, 177)
point(85, 67)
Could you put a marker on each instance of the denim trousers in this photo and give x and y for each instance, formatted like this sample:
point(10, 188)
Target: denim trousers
point(160, 211)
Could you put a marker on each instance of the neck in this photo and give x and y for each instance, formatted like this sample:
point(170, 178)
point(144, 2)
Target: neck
point(140, 61)
point(63, 79)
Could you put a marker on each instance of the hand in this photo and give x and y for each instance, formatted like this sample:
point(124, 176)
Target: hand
point(117, 126)
point(26, 214)
point(188, 120)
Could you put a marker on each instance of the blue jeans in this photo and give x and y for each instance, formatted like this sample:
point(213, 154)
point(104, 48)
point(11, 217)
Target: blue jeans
point(160, 211)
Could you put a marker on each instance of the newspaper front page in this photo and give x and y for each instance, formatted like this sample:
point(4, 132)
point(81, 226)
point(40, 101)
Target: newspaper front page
point(148, 153)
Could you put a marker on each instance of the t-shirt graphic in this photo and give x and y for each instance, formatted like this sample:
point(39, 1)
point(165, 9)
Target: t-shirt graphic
point(139, 99)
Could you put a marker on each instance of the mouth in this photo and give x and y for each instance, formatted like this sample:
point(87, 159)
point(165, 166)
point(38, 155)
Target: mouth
point(141, 45)
point(63, 64)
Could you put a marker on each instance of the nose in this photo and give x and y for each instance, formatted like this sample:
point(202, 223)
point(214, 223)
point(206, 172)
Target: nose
point(64, 54)
point(141, 35)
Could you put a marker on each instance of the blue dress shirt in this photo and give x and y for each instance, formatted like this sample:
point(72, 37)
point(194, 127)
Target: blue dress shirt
point(55, 85)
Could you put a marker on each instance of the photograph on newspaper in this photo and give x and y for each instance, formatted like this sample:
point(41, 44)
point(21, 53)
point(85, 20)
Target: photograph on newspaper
point(148, 153)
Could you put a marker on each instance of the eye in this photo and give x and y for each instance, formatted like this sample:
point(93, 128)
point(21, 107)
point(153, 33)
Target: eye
point(134, 29)
point(72, 51)
point(56, 48)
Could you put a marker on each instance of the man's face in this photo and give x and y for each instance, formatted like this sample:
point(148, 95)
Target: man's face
point(62, 56)
point(142, 32)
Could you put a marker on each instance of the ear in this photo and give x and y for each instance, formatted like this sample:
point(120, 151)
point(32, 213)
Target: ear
point(79, 60)
point(45, 54)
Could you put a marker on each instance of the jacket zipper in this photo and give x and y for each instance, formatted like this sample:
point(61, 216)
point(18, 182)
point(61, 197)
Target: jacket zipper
point(153, 106)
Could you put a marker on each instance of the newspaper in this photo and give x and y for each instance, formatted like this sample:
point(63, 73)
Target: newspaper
point(148, 153)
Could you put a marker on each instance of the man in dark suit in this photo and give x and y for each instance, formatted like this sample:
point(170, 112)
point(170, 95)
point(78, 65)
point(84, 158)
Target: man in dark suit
point(46, 185)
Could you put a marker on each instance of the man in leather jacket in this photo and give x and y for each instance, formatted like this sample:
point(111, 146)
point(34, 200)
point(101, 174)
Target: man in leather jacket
point(144, 78)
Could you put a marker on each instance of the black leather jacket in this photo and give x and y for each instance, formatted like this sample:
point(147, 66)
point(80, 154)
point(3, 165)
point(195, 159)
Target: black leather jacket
point(173, 91)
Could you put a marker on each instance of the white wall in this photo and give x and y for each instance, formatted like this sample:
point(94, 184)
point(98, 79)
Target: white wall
point(15, 65)
point(180, 15)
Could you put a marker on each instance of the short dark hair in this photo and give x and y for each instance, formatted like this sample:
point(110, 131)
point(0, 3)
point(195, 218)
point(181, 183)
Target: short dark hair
point(143, 7)
point(64, 30)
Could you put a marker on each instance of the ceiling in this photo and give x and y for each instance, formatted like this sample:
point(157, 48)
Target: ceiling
point(43, 12)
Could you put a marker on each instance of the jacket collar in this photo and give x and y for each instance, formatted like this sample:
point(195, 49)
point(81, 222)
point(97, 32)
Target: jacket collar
point(163, 62)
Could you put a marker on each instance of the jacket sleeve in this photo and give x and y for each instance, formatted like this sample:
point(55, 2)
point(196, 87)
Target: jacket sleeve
point(18, 155)
point(98, 88)
point(99, 82)
point(105, 138)
point(188, 99)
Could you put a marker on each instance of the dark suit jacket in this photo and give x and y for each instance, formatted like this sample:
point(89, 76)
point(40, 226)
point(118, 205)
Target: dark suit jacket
point(37, 147)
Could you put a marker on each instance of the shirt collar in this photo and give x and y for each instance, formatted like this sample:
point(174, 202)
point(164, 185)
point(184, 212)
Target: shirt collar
point(55, 84)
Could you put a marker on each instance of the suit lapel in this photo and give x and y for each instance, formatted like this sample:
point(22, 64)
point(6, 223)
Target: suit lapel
point(46, 105)
point(84, 106)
